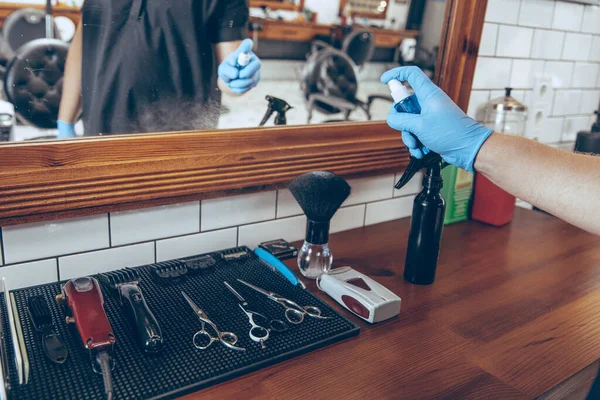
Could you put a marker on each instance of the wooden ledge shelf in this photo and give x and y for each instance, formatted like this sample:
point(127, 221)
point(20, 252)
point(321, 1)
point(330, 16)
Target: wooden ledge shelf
point(41, 181)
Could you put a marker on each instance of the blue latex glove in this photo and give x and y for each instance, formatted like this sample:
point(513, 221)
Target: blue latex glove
point(240, 79)
point(65, 130)
point(442, 126)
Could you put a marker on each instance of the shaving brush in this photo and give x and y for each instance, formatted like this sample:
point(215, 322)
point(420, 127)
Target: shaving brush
point(320, 194)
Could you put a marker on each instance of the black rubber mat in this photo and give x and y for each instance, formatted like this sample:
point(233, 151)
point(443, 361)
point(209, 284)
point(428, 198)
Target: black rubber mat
point(180, 368)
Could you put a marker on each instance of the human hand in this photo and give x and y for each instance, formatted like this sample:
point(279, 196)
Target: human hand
point(65, 130)
point(442, 126)
point(240, 79)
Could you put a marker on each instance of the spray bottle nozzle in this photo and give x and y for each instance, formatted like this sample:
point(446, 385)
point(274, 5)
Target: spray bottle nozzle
point(278, 106)
point(417, 164)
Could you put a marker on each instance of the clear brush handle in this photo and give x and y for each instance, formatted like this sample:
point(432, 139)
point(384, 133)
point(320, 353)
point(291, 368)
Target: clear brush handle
point(314, 259)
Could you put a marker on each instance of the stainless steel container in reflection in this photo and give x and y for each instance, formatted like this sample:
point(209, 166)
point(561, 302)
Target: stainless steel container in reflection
point(506, 115)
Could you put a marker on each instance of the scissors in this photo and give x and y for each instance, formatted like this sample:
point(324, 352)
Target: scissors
point(228, 339)
point(294, 312)
point(258, 332)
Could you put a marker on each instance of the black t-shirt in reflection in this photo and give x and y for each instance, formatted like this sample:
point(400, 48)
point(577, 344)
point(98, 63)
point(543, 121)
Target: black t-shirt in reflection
point(149, 65)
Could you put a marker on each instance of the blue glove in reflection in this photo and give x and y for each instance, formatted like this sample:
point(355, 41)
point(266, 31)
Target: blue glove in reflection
point(240, 79)
point(442, 126)
point(65, 130)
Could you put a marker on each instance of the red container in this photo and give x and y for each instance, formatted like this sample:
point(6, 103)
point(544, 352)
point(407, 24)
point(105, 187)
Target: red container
point(491, 204)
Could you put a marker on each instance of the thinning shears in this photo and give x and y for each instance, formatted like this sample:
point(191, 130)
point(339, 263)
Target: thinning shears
point(228, 339)
point(294, 312)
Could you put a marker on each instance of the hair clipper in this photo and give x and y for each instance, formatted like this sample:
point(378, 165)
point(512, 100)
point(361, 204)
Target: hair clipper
point(86, 303)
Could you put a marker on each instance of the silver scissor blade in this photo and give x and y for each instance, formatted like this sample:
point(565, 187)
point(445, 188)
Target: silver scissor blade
point(259, 290)
point(196, 309)
point(235, 293)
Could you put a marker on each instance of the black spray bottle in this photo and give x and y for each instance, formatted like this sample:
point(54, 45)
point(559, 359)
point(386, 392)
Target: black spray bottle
point(429, 207)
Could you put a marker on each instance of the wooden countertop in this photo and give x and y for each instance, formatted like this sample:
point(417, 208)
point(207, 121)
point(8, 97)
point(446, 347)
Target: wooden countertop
point(513, 313)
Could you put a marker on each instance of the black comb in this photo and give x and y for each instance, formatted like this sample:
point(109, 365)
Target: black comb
point(169, 272)
point(126, 283)
point(39, 312)
point(199, 264)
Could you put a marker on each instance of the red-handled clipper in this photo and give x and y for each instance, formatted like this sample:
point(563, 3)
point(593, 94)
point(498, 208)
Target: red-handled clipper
point(85, 300)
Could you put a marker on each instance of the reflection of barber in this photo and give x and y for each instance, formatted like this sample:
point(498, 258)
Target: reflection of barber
point(146, 66)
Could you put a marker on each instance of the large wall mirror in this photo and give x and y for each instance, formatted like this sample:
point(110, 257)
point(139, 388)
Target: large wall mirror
point(158, 126)
point(321, 63)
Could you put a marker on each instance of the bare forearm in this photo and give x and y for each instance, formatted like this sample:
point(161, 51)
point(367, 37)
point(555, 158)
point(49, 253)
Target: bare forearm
point(70, 102)
point(564, 184)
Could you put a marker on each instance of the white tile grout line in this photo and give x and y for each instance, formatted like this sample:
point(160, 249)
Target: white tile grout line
point(109, 232)
point(155, 257)
point(57, 270)
point(276, 202)
point(200, 216)
point(546, 29)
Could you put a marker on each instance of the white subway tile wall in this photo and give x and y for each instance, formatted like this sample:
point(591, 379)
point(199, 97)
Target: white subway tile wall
point(489, 37)
point(154, 223)
point(30, 274)
point(514, 41)
point(567, 16)
point(237, 210)
point(388, 210)
point(45, 252)
point(105, 260)
point(190, 245)
point(524, 40)
point(48, 239)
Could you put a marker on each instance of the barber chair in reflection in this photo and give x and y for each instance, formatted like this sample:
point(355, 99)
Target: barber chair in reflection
point(33, 78)
point(23, 26)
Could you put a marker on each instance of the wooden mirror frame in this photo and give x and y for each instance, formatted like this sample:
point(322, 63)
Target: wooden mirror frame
point(61, 179)
point(276, 5)
point(372, 15)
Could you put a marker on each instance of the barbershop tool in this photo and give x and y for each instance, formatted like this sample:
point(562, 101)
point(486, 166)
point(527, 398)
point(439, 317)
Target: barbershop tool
point(258, 332)
point(86, 303)
point(320, 194)
point(294, 312)
point(52, 344)
point(276, 264)
point(360, 294)
point(235, 254)
point(21, 361)
point(429, 206)
point(279, 107)
point(407, 102)
point(227, 339)
point(199, 264)
point(126, 283)
point(169, 272)
point(280, 248)
point(4, 369)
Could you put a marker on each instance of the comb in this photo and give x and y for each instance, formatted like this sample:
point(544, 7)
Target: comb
point(169, 272)
point(39, 313)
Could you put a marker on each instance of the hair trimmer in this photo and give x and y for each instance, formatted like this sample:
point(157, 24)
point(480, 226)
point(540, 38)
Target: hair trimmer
point(86, 303)
point(126, 283)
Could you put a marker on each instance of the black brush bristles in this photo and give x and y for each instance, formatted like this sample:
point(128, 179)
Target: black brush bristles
point(320, 194)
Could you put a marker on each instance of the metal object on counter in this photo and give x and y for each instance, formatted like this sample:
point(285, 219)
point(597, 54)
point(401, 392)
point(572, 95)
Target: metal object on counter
point(228, 339)
point(294, 312)
point(21, 361)
point(505, 115)
point(41, 318)
point(4, 371)
point(84, 299)
point(126, 283)
point(258, 333)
